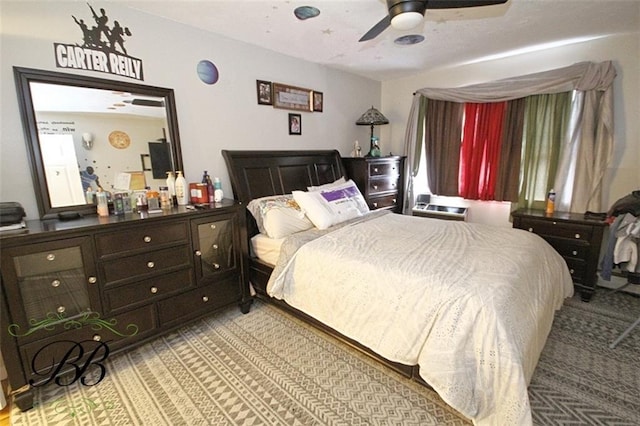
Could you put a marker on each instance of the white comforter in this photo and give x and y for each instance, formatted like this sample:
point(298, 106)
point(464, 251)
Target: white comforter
point(471, 304)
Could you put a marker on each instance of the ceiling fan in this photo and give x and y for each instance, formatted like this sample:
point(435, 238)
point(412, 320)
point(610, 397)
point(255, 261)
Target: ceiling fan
point(406, 14)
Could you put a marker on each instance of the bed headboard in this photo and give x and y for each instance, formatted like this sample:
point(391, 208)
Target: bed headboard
point(256, 174)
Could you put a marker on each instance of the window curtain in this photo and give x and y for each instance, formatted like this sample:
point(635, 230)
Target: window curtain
point(442, 134)
point(591, 132)
point(480, 151)
point(507, 188)
point(545, 132)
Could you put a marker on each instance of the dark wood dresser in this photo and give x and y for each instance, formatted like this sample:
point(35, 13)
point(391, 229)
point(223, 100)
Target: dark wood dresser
point(380, 179)
point(112, 281)
point(577, 239)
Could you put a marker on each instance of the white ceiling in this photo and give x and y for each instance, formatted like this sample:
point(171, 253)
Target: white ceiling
point(452, 37)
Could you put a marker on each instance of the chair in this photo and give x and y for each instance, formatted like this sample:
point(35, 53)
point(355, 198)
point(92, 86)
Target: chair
point(632, 278)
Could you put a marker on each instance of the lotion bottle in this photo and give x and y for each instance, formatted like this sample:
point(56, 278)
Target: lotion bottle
point(217, 194)
point(182, 193)
point(171, 187)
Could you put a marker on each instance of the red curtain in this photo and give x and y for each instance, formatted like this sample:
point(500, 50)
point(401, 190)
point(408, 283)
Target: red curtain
point(480, 150)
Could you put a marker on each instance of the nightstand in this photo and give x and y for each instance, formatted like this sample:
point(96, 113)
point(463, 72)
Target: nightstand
point(379, 179)
point(577, 239)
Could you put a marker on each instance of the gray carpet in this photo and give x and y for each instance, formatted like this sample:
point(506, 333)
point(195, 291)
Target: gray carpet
point(268, 368)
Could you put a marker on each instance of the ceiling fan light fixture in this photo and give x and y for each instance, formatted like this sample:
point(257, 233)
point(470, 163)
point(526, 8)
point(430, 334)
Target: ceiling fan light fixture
point(406, 20)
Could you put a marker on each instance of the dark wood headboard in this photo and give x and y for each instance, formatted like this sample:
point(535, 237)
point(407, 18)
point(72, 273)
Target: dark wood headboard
point(256, 174)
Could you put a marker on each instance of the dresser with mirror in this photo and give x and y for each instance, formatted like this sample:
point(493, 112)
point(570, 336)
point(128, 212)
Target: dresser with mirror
point(78, 287)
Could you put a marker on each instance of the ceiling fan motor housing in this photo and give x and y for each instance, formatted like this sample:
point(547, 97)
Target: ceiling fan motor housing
point(397, 7)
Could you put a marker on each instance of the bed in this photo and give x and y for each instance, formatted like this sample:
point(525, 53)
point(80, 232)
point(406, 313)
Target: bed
point(463, 308)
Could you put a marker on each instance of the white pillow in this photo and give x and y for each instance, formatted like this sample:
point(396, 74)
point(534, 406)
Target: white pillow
point(332, 206)
point(327, 185)
point(278, 216)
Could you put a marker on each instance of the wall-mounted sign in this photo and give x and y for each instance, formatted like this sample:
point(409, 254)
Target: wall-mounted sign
point(102, 48)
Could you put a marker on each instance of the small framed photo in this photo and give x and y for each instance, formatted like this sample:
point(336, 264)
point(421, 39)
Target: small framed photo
point(317, 101)
point(264, 92)
point(295, 124)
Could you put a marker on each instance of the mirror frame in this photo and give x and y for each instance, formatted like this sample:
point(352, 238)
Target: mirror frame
point(25, 76)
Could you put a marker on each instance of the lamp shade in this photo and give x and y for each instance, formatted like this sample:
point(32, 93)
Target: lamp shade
point(372, 117)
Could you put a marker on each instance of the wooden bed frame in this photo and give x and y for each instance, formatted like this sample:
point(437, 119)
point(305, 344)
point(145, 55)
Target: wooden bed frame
point(256, 174)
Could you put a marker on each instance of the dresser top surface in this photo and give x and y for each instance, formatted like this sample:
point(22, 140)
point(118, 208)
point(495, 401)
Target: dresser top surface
point(44, 227)
point(558, 216)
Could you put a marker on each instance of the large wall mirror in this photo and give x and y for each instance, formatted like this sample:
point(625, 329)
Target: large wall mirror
point(84, 133)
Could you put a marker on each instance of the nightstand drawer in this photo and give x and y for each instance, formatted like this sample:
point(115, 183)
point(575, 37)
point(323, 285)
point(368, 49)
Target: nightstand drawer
point(557, 228)
point(382, 185)
point(385, 202)
point(384, 169)
point(569, 248)
point(577, 268)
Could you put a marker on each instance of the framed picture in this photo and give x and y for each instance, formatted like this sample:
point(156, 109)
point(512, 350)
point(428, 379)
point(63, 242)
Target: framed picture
point(295, 124)
point(317, 101)
point(264, 92)
point(290, 97)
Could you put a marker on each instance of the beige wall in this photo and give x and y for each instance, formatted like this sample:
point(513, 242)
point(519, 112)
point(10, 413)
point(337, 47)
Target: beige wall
point(224, 115)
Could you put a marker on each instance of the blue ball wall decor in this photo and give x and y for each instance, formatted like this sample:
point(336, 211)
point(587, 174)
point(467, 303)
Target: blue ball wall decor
point(207, 72)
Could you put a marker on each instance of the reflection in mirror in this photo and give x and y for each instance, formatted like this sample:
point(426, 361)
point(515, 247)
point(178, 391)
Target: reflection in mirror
point(86, 133)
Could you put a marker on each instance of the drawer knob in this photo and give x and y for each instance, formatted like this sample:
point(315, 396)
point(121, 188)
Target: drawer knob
point(216, 266)
point(198, 253)
point(205, 299)
point(97, 337)
point(572, 271)
point(61, 309)
point(51, 257)
point(375, 169)
point(213, 226)
point(150, 264)
point(147, 239)
point(555, 223)
point(375, 186)
point(214, 246)
point(93, 280)
point(154, 290)
point(395, 201)
point(578, 236)
point(55, 283)
point(530, 229)
point(575, 252)
point(375, 205)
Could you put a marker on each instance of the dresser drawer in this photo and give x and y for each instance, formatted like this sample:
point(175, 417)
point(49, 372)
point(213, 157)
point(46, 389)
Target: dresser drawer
point(116, 332)
point(143, 237)
point(559, 229)
point(143, 264)
point(382, 185)
point(388, 168)
point(199, 301)
point(47, 261)
point(148, 290)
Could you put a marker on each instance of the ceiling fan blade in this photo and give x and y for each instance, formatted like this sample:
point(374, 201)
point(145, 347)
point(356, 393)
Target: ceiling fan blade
point(147, 102)
point(377, 29)
point(454, 4)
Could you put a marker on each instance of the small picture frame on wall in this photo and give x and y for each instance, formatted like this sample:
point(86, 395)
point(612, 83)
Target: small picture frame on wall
point(295, 124)
point(263, 89)
point(317, 101)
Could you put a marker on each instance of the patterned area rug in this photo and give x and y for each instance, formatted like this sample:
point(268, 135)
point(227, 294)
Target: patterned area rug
point(267, 368)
